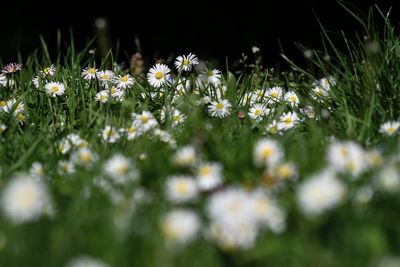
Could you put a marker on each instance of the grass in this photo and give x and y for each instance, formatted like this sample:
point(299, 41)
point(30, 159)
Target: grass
point(121, 228)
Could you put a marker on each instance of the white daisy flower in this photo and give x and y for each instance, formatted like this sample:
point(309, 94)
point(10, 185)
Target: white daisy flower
point(177, 117)
point(186, 63)
point(158, 75)
point(275, 93)
point(105, 76)
point(86, 261)
point(319, 93)
point(37, 170)
point(25, 200)
point(36, 82)
point(185, 156)
point(288, 120)
point(12, 105)
point(180, 226)
point(124, 81)
point(320, 193)
point(89, 74)
point(286, 171)
point(102, 96)
point(268, 152)
point(64, 146)
point(144, 121)
point(219, 109)
point(132, 132)
point(291, 98)
point(84, 157)
point(65, 167)
point(389, 128)
point(388, 179)
point(210, 77)
point(120, 169)
point(257, 112)
point(325, 83)
point(209, 175)
point(164, 136)
point(273, 128)
point(110, 134)
point(180, 189)
point(49, 70)
point(55, 88)
point(347, 157)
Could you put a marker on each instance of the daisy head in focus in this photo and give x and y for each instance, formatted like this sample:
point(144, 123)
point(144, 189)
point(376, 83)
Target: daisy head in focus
point(124, 81)
point(186, 63)
point(220, 108)
point(158, 75)
point(12, 68)
point(210, 77)
point(89, 73)
point(389, 128)
point(55, 89)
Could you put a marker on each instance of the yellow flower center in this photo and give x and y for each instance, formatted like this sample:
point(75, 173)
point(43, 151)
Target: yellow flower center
point(103, 97)
point(261, 206)
point(92, 71)
point(257, 112)
point(284, 171)
point(186, 62)
point(293, 98)
point(287, 120)
point(176, 117)
point(273, 129)
point(124, 79)
point(54, 89)
point(85, 158)
point(144, 118)
point(344, 152)
point(182, 187)
point(21, 117)
point(122, 169)
point(204, 171)
point(274, 94)
point(391, 130)
point(113, 90)
point(132, 129)
point(46, 70)
point(104, 77)
point(3, 103)
point(159, 75)
point(220, 106)
point(210, 73)
point(266, 153)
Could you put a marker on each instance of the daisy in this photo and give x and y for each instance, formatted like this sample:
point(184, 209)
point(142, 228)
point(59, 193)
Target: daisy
point(347, 157)
point(102, 96)
point(85, 261)
point(267, 152)
point(12, 105)
point(389, 128)
point(320, 193)
point(11, 68)
point(209, 176)
point(319, 93)
point(36, 81)
point(3, 80)
point(105, 76)
point(186, 63)
point(89, 74)
point(180, 189)
point(3, 127)
point(185, 156)
point(180, 226)
point(165, 137)
point(84, 157)
point(24, 200)
point(144, 121)
point(288, 120)
point(158, 75)
point(65, 167)
point(49, 70)
point(132, 132)
point(120, 169)
point(124, 82)
point(275, 93)
point(37, 170)
point(219, 108)
point(273, 128)
point(55, 88)
point(286, 171)
point(291, 98)
point(177, 117)
point(109, 134)
point(388, 179)
point(257, 112)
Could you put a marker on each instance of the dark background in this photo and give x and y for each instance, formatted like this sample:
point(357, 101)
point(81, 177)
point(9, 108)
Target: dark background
point(211, 29)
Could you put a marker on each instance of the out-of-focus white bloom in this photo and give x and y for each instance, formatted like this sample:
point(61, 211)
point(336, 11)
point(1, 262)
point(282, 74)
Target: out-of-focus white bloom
point(388, 179)
point(237, 216)
point(158, 75)
point(288, 120)
point(37, 170)
point(55, 88)
point(132, 132)
point(186, 63)
point(286, 171)
point(209, 77)
point(89, 74)
point(3, 80)
point(185, 156)
point(363, 195)
point(49, 70)
point(389, 128)
point(3, 127)
point(389, 261)
point(24, 199)
point(347, 157)
point(291, 98)
point(144, 121)
point(120, 169)
point(374, 158)
point(325, 83)
point(319, 193)
point(86, 261)
point(180, 226)
point(180, 189)
point(65, 167)
point(209, 175)
point(219, 108)
point(110, 134)
point(84, 157)
point(267, 152)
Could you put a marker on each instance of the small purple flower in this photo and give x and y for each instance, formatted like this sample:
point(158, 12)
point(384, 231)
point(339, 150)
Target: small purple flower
point(11, 68)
